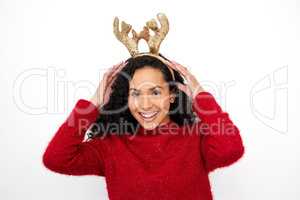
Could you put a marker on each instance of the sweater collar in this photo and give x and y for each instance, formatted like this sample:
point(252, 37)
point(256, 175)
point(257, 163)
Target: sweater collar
point(161, 129)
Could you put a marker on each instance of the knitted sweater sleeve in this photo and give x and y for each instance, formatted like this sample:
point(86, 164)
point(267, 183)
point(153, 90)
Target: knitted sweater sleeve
point(66, 153)
point(221, 143)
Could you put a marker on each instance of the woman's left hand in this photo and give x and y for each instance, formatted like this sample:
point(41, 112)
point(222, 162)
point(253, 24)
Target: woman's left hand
point(193, 87)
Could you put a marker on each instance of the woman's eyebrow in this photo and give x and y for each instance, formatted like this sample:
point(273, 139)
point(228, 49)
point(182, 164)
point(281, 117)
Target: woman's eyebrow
point(152, 88)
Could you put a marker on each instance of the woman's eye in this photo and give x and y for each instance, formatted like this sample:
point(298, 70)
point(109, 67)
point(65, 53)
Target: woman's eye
point(134, 94)
point(156, 92)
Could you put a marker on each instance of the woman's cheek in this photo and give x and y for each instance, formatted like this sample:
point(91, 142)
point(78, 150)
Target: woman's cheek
point(131, 105)
point(164, 104)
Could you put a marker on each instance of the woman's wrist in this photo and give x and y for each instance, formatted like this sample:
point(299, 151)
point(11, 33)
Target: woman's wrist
point(196, 92)
point(95, 101)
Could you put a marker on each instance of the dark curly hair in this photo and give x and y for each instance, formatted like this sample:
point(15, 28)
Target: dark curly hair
point(115, 116)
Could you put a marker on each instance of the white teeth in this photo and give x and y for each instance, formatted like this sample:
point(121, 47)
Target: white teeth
point(148, 115)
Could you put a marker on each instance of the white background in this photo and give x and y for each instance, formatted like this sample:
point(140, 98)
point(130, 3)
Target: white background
point(246, 53)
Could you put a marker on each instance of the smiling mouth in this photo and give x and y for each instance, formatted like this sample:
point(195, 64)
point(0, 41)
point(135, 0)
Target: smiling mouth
point(149, 116)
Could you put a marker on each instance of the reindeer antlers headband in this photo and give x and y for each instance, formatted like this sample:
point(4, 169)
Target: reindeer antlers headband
point(152, 41)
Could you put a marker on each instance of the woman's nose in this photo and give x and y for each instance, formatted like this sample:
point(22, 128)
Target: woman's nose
point(145, 102)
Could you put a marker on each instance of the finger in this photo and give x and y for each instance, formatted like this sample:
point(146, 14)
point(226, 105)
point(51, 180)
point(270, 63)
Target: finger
point(106, 95)
point(118, 67)
point(184, 88)
point(118, 64)
point(185, 72)
point(101, 89)
point(111, 69)
point(110, 74)
point(104, 81)
point(181, 71)
point(116, 70)
point(112, 78)
point(181, 67)
point(111, 81)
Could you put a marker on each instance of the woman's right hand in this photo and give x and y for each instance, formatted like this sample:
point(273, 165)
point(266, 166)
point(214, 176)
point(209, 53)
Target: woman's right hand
point(103, 91)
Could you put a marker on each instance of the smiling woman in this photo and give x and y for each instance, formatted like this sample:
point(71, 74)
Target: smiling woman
point(160, 136)
point(166, 155)
point(143, 87)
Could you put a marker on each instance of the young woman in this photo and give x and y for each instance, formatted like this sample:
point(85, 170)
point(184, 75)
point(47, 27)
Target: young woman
point(151, 134)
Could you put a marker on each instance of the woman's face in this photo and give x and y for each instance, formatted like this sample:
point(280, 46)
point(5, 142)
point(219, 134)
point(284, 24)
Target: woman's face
point(149, 97)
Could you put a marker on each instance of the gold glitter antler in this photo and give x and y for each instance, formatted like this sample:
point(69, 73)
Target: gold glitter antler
point(122, 36)
point(160, 33)
point(152, 41)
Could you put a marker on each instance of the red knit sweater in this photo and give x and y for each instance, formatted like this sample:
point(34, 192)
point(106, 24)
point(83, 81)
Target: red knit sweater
point(167, 163)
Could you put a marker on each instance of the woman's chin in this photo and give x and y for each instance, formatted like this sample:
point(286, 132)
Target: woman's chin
point(149, 126)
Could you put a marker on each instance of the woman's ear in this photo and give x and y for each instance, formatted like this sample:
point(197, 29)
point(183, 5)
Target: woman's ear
point(173, 95)
point(172, 98)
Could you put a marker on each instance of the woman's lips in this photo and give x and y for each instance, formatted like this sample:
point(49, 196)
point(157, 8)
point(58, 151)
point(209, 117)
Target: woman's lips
point(148, 116)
